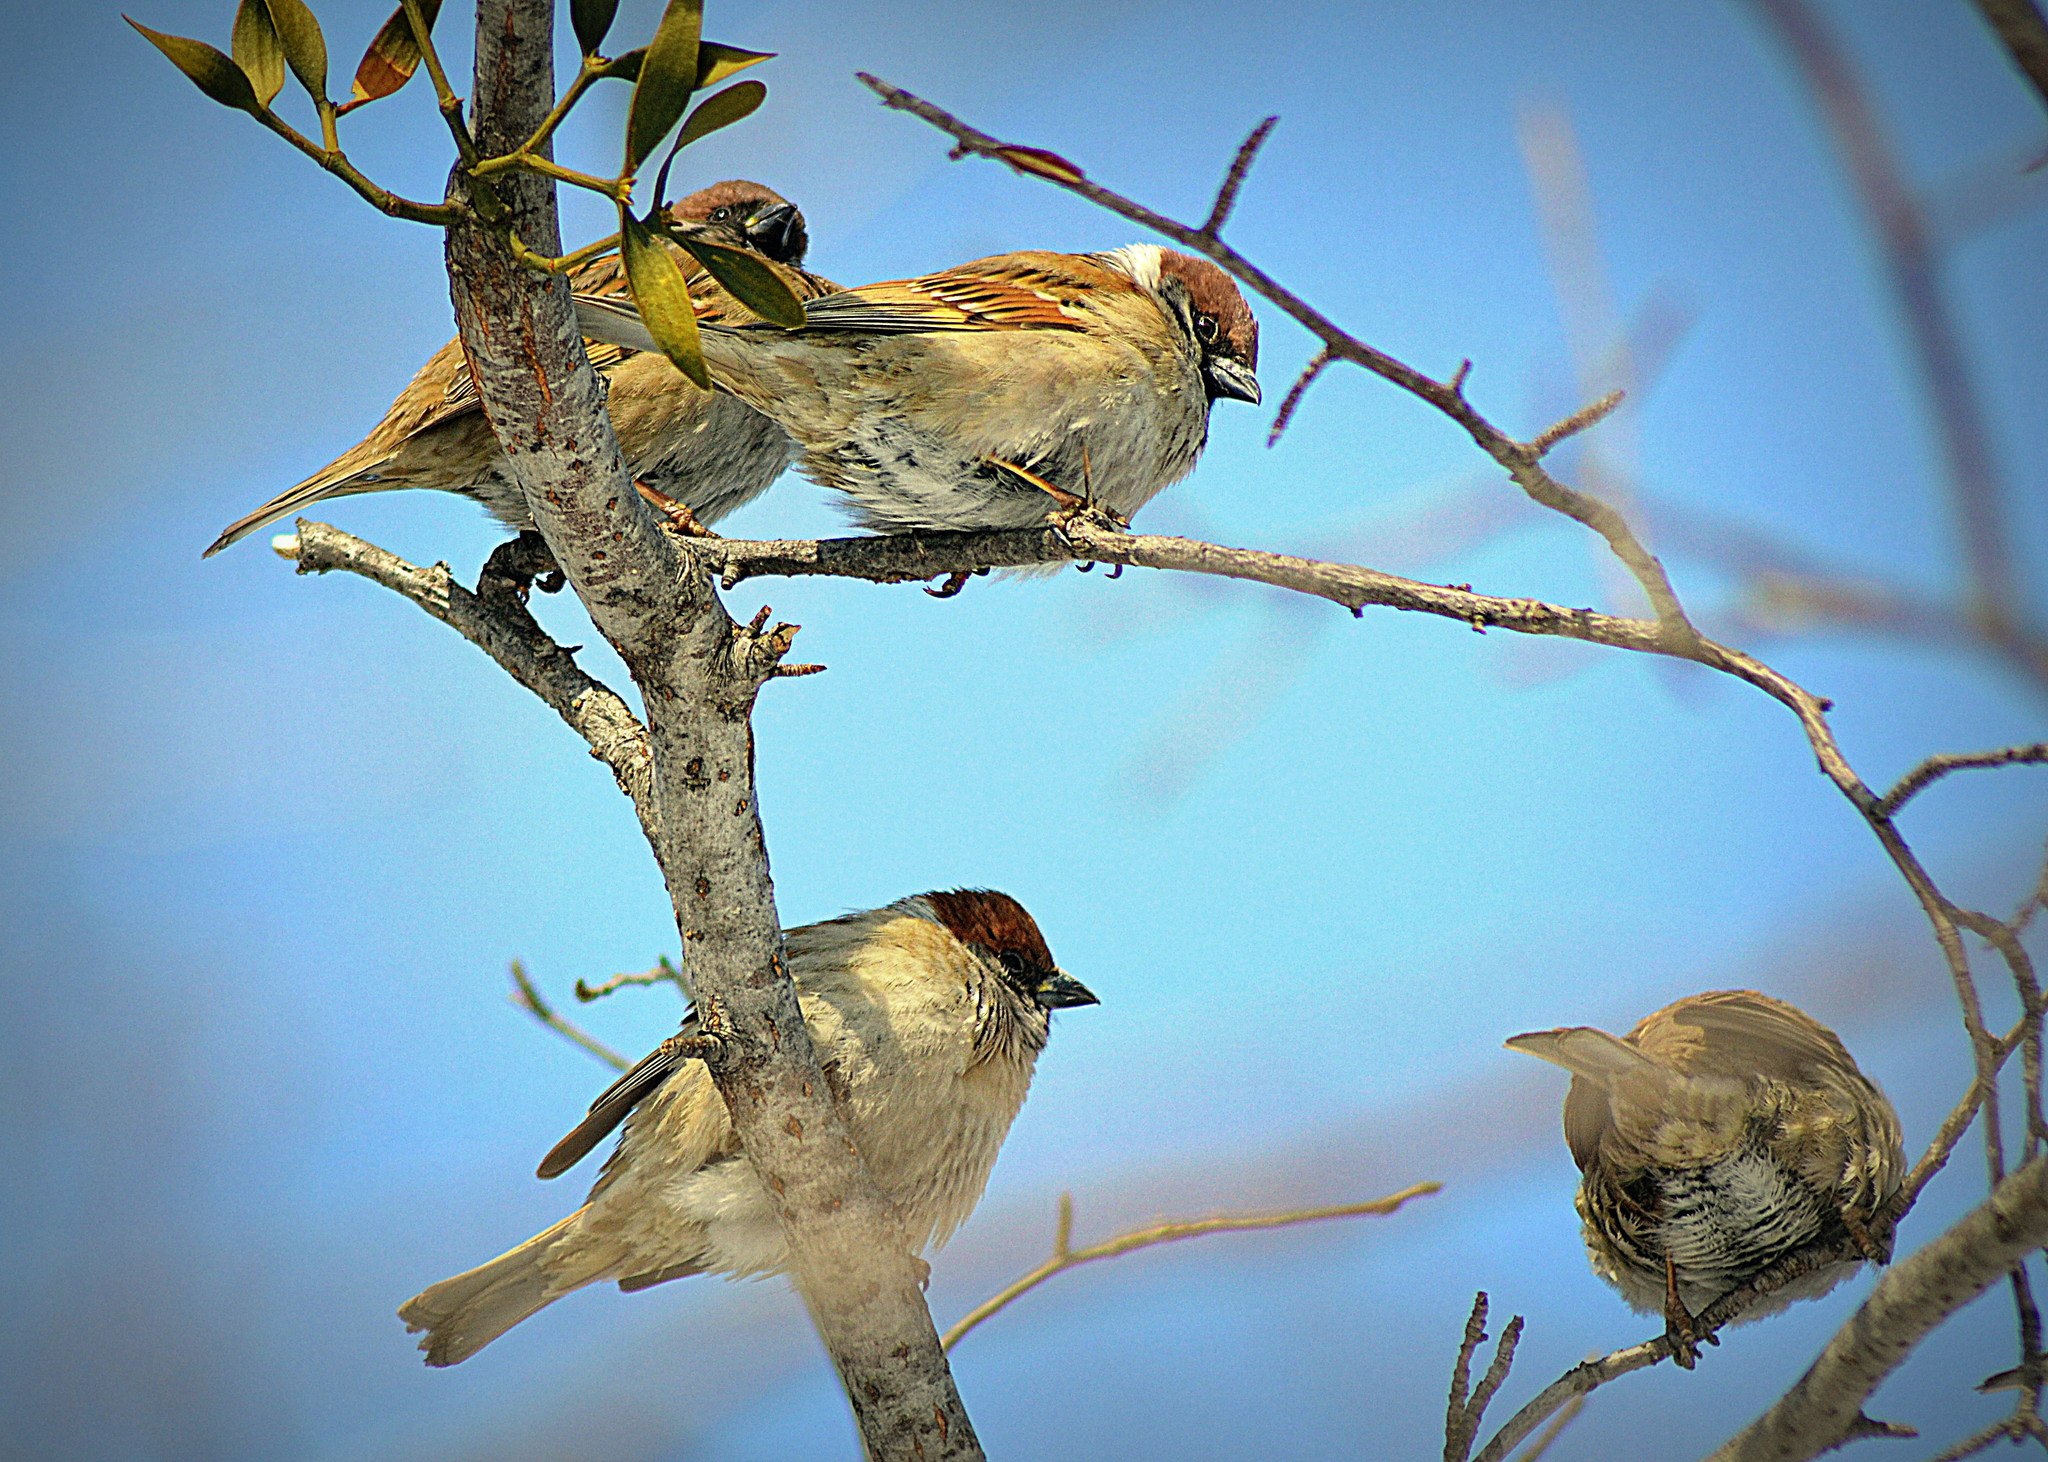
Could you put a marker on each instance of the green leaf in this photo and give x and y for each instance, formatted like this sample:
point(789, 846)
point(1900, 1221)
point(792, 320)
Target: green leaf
point(662, 296)
point(213, 73)
point(257, 51)
point(590, 19)
point(393, 56)
point(728, 107)
point(716, 62)
point(667, 77)
point(305, 49)
point(751, 279)
point(723, 110)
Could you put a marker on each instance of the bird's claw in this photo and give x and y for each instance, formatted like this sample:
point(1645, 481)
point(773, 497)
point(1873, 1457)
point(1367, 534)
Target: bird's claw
point(955, 582)
point(676, 514)
point(1681, 1331)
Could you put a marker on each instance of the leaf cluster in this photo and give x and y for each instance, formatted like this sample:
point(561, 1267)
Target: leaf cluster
point(272, 37)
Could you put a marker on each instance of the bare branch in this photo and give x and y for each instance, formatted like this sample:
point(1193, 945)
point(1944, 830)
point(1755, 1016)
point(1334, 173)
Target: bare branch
point(1464, 1412)
point(1457, 1410)
point(1522, 466)
point(1557, 1424)
point(1910, 1300)
point(663, 973)
point(496, 621)
point(2023, 31)
point(1978, 493)
point(1938, 766)
point(1295, 392)
point(1166, 1231)
point(1586, 416)
point(528, 998)
point(1226, 196)
point(698, 674)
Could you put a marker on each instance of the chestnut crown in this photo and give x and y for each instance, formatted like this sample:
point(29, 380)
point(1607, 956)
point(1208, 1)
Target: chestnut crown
point(757, 216)
point(998, 926)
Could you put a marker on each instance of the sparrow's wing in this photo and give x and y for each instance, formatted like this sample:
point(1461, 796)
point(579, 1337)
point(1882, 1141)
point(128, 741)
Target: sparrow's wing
point(1018, 296)
point(617, 1100)
point(1743, 1034)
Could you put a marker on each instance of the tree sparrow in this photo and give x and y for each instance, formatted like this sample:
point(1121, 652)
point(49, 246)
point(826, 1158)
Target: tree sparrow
point(962, 399)
point(709, 452)
point(928, 1017)
point(1722, 1133)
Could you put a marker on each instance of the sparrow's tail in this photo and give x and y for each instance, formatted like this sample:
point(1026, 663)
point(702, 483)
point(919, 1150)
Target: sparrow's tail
point(352, 472)
point(1584, 1051)
point(464, 1314)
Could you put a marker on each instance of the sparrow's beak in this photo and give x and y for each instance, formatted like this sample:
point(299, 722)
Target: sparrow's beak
point(777, 231)
point(1059, 990)
point(1232, 378)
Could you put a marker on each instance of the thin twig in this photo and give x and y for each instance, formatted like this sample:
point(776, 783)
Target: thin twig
point(1936, 767)
point(1166, 1231)
point(528, 998)
point(1522, 466)
point(1317, 363)
point(1556, 1425)
point(1976, 487)
point(1586, 416)
point(1226, 196)
point(2023, 31)
point(496, 620)
point(663, 973)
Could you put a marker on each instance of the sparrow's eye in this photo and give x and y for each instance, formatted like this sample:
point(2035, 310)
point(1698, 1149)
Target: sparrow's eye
point(1205, 329)
point(720, 215)
point(1012, 962)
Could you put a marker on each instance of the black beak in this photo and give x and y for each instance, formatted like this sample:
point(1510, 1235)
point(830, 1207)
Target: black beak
point(778, 232)
point(1059, 990)
point(1231, 378)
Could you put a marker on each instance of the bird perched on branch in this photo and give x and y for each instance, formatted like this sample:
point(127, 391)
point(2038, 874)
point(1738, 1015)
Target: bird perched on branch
point(1722, 1133)
point(928, 1016)
point(986, 395)
point(710, 453)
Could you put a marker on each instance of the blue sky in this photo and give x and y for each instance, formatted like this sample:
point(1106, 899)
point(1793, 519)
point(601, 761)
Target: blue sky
point(268, 843)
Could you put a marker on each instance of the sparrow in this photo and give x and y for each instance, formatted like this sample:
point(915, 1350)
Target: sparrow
point(928, 1016)
point(986, 395)
point(710, 453)
point(1722, 1133)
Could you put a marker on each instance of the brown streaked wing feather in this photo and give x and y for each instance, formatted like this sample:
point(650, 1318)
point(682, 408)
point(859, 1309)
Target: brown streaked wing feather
point(615, 1102)
point(1010, 293)
point(653, 1277)
point(1743, 1034)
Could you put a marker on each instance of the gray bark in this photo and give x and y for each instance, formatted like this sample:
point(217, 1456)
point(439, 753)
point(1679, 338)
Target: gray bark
point(698, 673)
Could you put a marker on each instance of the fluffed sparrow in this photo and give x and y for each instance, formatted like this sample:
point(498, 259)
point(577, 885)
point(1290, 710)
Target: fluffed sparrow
point(710, 453)
point(1722, 1133)
point(928, 1017)
point(959, 399)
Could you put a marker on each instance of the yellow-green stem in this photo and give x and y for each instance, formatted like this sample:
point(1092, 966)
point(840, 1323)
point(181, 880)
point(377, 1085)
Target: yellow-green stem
point(450, 103)
point(382, 199)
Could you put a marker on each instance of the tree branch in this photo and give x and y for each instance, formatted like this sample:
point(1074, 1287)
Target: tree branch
point(1166, 1231)
point(1940, 765)
point(1910, 1300)
point(496, 621)
point(1522, 463)
point(698, 674)
point(526, 995)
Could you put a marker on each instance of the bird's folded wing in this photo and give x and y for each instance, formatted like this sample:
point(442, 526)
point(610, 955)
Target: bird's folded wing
point(959, 299)
point(618, 1099)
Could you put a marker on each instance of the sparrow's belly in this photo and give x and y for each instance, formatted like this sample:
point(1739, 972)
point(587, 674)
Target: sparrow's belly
point(1719, 1225)
point(715, 461)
